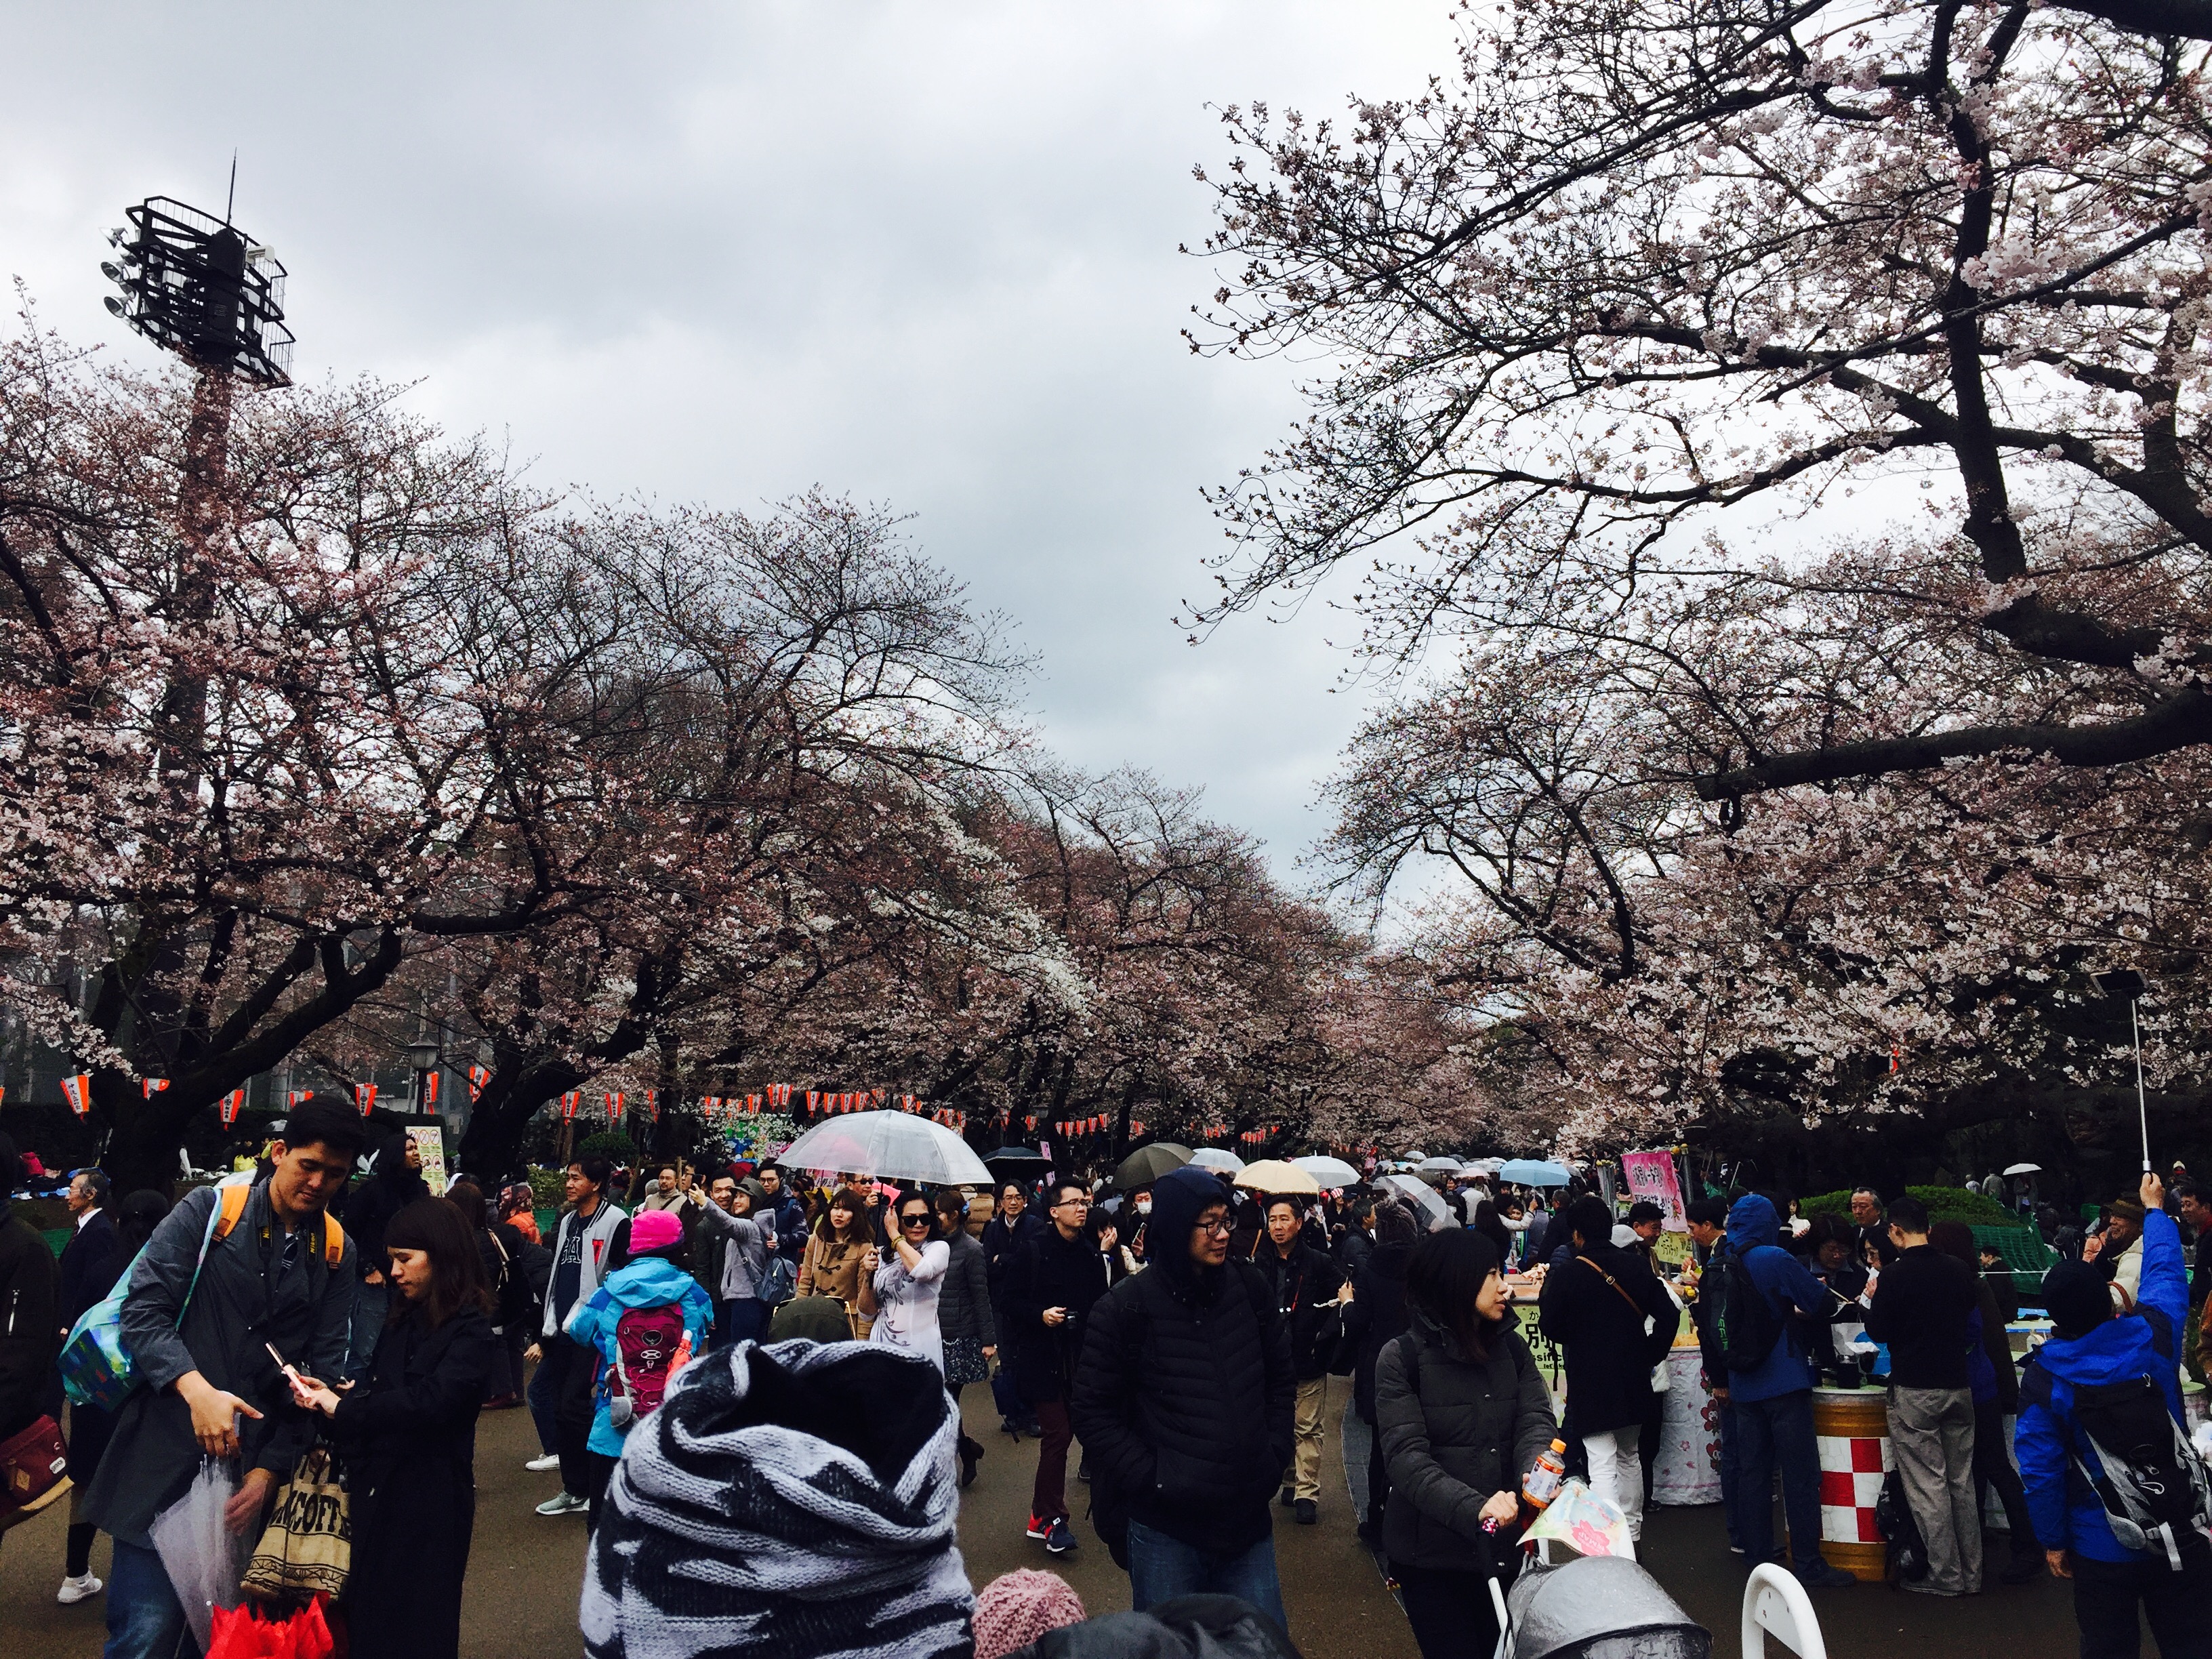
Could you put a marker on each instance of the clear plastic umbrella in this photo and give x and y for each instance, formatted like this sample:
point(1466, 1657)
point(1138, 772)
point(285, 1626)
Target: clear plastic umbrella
point(1213, 1157)
point(1417, 1191)
point(1440, 1165)
point(887, 1143)
point(1328, 1171)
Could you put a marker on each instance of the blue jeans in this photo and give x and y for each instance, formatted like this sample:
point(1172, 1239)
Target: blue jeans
point(1771, 1434)
point(145, 1620)
point(1161, 1568)
point(543, 1395)
point(1731, 1475)
point(740, 1319)
point(370, 1304)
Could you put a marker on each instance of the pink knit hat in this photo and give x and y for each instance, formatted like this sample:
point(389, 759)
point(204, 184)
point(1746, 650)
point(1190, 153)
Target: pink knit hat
point(1016, 1607)
point(654, 1230)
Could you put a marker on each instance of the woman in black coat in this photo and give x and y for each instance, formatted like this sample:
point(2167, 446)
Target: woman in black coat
point(407, 1434)
point(1375, 1315)
point(1462, 1414)
point(1608, 1310)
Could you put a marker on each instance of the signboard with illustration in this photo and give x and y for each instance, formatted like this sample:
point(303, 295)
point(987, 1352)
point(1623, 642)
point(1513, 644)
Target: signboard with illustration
point(429, 1140)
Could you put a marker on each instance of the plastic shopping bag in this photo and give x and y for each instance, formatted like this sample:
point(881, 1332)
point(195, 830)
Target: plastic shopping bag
point(203, 1557)
point(1585, 1524)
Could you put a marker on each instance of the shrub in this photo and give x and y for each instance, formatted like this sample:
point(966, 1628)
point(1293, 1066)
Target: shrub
point(1944, 1204)
point(612, 1145)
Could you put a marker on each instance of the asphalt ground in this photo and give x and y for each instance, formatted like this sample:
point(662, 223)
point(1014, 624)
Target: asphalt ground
point(524, 1571)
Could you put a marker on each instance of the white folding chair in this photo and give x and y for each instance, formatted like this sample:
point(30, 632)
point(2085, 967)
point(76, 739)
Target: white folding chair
point(1775, 1603)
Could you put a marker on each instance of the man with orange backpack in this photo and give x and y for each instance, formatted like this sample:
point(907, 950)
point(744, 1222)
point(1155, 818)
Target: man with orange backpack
point(646, 1319)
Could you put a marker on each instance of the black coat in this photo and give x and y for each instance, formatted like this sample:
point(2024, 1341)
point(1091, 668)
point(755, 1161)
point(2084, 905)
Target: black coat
point(1305, 1287)
point(1920, 1306)
point(368, 1207)
point(408, 1439)
point(1000, 1241)
point(1376, 1313)
point(1184, 1402)
point(1455, 1430)
point(29, 1324)
point(1048, 1271)
point(1609, 1353)
point(88, 1266)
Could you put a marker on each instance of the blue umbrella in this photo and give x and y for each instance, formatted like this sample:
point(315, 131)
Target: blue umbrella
point(1534, 1172)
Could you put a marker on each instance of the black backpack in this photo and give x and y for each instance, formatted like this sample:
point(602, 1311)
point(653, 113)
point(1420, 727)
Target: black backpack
point(2151, 1483)
point(1892, 1519)
point(1745, 1321)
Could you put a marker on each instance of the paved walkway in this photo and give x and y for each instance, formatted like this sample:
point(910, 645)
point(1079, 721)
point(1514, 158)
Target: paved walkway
point(524, 1572)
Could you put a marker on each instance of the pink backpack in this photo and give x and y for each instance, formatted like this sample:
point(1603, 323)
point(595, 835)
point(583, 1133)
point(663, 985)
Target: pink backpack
point(647, 1342)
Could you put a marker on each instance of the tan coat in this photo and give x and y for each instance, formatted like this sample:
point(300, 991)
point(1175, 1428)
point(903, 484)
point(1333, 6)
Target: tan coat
point(830, 1268)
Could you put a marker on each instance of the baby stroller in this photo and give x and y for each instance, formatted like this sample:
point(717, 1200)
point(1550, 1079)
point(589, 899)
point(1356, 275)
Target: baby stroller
point(1598, 1607)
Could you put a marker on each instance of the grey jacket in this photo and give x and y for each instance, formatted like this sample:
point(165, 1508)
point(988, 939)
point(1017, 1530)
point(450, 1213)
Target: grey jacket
point(745, 1255)
point(1470, 1429)
point(246, 1297)
point(599, 1245)
point(964, 1302)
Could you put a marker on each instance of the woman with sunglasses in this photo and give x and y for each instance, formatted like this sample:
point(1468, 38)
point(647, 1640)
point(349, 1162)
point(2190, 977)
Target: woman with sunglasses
point(904, 1289)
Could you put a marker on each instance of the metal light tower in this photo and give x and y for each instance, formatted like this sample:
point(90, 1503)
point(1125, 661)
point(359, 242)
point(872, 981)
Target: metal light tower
point(199, 288)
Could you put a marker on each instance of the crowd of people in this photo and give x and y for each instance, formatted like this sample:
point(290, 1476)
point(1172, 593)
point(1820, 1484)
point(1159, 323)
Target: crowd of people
point(801, 1487)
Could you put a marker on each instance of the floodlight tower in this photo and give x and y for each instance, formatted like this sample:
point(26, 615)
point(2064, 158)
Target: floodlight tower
point(197, 286)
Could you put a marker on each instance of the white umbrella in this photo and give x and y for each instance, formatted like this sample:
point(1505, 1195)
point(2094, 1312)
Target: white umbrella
point(1439, 1166)
point(1328, 1171)
point(1416, 1190)
point(2025, 1168)
point(1213, 1157)
point(1274, 1176)
point(887, 1143)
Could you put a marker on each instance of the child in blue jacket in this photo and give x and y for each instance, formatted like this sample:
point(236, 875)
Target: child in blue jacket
point(2091, 1345)
point(652, 1277)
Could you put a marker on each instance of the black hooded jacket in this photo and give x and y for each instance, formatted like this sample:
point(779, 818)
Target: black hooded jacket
point(390, 1188)
point(1609, 1353)
point(1185, 1393)
point(1376, 1313)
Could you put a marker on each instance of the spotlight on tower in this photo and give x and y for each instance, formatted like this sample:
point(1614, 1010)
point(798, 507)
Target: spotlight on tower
point(195, 286)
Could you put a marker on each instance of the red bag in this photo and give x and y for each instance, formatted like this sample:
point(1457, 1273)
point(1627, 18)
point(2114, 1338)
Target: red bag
point(646, 1340)
point(34, 1472)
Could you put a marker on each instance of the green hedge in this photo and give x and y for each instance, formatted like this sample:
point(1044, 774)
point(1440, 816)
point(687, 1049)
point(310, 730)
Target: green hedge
point(1944, 1204)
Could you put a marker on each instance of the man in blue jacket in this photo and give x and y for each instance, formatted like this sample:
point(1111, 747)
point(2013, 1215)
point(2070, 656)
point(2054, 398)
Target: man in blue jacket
point(1772, 1402)
point(2090, 1346)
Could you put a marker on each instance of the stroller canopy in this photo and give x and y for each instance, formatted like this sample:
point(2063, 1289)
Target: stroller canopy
point(1599, 1606)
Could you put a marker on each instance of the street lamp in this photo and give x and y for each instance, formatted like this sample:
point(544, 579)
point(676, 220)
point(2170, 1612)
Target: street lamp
point(2126, 982)
point(423, 1060)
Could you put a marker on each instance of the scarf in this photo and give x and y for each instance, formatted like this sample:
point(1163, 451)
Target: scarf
point(796, 1498)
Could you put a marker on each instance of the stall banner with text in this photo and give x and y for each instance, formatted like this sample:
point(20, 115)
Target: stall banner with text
point(1651, 1176)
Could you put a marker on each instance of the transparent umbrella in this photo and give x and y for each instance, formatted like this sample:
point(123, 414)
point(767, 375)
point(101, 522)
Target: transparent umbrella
point(1328, 1171)
point(1417, 1191)
point(887, 1143)
point(1213, 1157)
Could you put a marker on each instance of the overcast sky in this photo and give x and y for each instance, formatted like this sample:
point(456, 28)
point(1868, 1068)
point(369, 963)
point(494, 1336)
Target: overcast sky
point(924, 254)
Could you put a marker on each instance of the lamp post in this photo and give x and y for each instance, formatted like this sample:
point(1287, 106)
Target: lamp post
point(422, 1060)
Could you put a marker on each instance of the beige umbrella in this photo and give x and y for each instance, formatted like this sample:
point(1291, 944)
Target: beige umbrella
point(1272, 1175)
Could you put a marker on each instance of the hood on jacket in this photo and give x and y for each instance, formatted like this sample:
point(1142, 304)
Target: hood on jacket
point(1388, 1260)
point(1178, 1198)
point(2113, 1352)
point(1751, 1221)
point(647, 1282)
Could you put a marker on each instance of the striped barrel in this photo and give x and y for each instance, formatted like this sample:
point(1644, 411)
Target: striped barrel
point(1850, 1428)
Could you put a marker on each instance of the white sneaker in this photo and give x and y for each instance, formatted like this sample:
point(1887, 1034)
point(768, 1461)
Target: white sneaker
point(539, 1465)
point(565, 1503)
point(82, 1587)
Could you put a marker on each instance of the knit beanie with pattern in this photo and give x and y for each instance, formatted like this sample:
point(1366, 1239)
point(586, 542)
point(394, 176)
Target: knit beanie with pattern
point(1016, 1607)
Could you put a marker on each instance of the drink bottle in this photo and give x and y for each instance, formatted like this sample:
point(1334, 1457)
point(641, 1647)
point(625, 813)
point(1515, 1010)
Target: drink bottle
point(1541, 1484)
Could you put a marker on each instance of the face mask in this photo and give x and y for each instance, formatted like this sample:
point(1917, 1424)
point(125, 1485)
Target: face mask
point(1144, 1205)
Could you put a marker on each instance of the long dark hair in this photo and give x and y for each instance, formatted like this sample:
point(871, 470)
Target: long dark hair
point(845, 1198)
point(438, 1229)
point(469, 1199)
point(1445, 1274)
point(135, 1218)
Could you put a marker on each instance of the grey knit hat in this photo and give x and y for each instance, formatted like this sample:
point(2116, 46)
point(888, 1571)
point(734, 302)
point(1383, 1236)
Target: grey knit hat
point(799, 1499)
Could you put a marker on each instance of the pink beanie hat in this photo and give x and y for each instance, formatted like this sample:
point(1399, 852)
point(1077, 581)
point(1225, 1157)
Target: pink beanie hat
point(654, 1230)
point(1016, 1607)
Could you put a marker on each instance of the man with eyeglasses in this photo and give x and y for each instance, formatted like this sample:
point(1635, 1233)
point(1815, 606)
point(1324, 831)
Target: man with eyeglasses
point(1050, 1285)
point(1184, 1401)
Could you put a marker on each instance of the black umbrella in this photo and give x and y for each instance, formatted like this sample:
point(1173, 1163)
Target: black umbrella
point(1015, 1155)
point(1148, 1164)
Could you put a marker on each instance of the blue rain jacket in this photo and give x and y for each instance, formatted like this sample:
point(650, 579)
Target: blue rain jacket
point(2134, 1345)
point(1783, 1279)
point(648, 1282)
